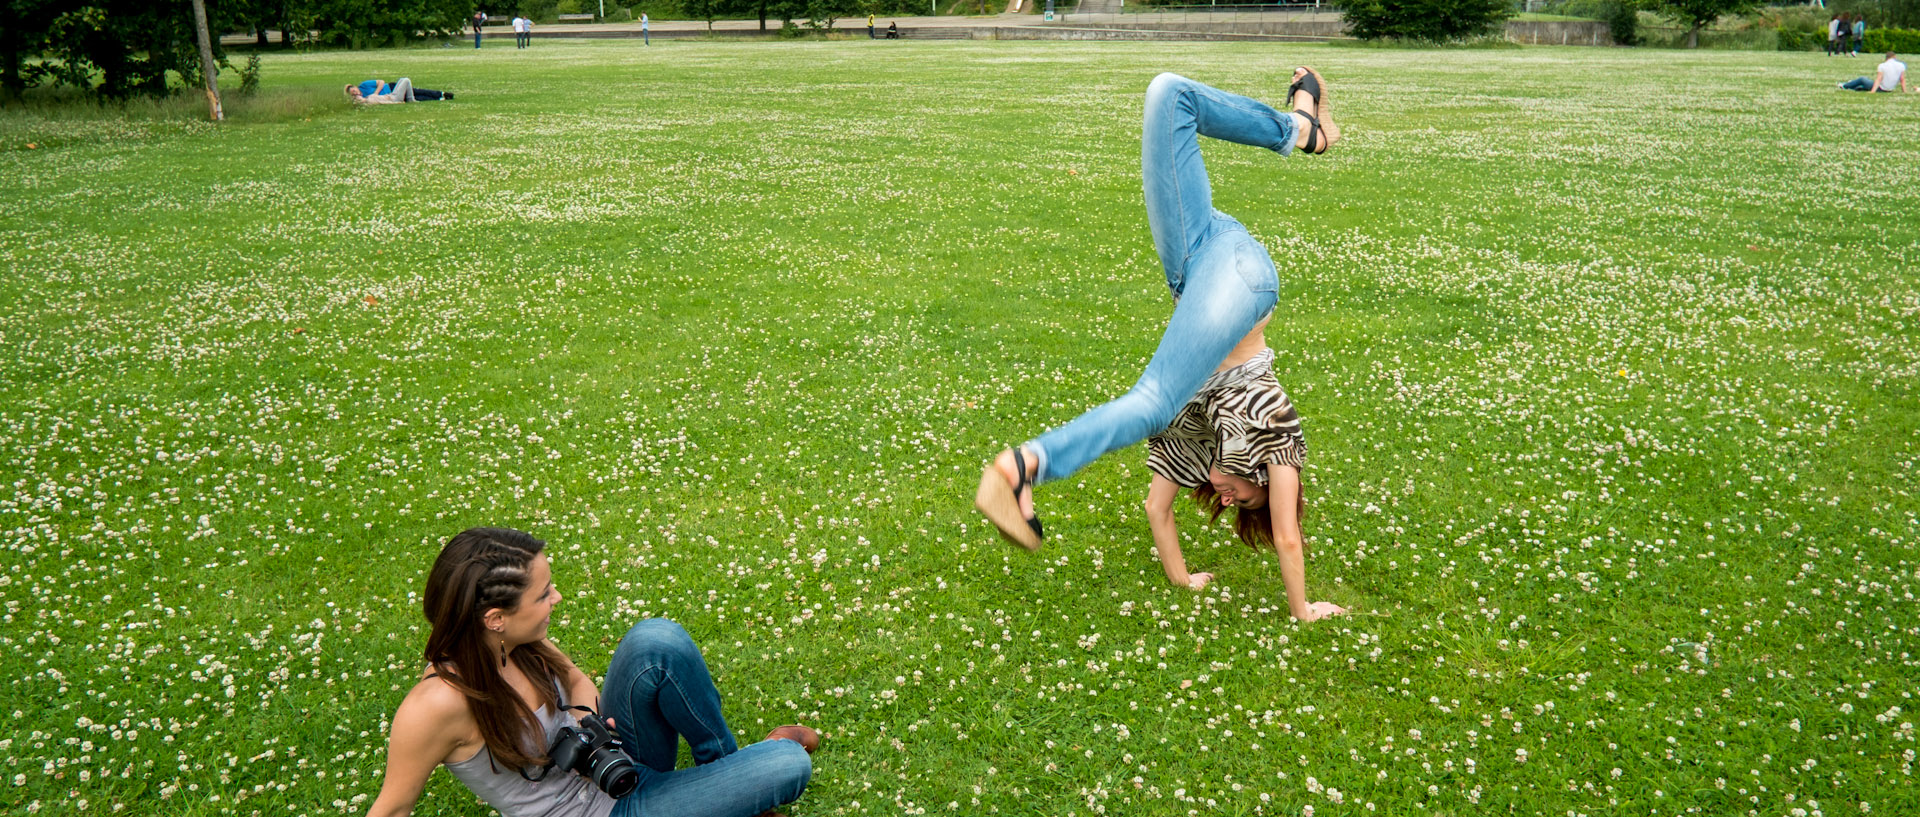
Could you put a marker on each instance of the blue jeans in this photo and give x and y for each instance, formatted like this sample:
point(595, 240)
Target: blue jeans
point(1859, 84)
point(1223, 281)
point(657, 692)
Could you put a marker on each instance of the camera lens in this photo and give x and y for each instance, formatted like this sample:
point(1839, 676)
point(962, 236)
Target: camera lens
point(614, 773)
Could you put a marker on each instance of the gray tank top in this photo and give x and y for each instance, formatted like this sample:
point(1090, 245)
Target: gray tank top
point(561, 794)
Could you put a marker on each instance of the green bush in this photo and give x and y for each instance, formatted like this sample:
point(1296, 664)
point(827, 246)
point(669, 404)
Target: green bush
point(1623, 22)
point(1897, 40)
point(1428, 20)
point(250, 76)
point(1713, 40)
point(1791, 40)
point(1478, 42)
point(1589, 9)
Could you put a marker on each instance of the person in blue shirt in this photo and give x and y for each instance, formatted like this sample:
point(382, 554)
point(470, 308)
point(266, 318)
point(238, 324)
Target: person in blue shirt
point(402, 90)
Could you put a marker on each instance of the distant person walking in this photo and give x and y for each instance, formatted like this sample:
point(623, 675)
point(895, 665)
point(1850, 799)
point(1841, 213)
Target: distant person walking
point(479, 19)
point(1889, 77)
point(645, 38)
point(523, 32)
point(1859, 33)
point(1833, 35)
point(869, 26)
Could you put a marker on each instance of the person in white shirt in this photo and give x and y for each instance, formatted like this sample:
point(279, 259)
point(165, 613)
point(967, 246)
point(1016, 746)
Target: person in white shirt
point(645, 38)
point(522, 32)
point(1890, 76)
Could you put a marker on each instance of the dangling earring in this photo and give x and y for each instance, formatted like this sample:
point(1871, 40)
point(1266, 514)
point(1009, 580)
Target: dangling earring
point(503, 653)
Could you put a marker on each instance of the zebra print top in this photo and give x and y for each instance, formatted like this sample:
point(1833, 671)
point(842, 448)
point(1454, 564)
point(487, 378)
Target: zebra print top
point(1241, 420)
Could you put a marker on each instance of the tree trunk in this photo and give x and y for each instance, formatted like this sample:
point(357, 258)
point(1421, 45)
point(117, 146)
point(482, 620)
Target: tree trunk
point(1693, 37)
point(207, 67)
point(11, 83)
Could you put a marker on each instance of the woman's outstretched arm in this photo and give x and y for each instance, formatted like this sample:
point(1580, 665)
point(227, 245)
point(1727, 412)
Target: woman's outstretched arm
point(424, 733)
point(1283, 500)
point(1166, 536)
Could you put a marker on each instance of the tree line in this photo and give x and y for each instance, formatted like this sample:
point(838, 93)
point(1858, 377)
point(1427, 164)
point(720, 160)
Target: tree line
point(115, 49)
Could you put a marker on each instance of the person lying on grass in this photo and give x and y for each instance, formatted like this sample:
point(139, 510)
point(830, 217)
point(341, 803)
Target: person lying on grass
point(375, 92)
point(496, 706)
point(1220, 422)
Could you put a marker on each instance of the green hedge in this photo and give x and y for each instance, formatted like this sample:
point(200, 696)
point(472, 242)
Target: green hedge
point(1897, 40)
point(1791, 40)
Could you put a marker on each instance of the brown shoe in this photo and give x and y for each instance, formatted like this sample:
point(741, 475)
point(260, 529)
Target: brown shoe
point(806, 737)
point(1000, 503)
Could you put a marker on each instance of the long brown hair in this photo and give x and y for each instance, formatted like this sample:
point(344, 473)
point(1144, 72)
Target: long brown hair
point(481, 569)
point(1254, 526)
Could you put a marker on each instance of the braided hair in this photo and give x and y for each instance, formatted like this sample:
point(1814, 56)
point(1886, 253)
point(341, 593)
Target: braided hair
point(482, 569)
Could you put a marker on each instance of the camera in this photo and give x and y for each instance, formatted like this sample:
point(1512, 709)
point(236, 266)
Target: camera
point(591, 750)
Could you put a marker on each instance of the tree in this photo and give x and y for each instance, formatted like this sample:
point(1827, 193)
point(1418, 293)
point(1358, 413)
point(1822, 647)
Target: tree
point(24, 35)
point(1430, 20)
point(1698, 14)
point(702, 10)
point(821, 14)
point(372, 23)
point(130, 45)
point(208, 68)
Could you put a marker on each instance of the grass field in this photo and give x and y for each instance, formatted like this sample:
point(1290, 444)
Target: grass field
point(1607, 360)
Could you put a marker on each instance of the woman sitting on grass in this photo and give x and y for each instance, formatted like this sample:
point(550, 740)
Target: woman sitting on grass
point(1221, 423)
point(495, 694)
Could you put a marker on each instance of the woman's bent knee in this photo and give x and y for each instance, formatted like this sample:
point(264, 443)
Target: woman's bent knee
point(1165, 82)
point(658, 636)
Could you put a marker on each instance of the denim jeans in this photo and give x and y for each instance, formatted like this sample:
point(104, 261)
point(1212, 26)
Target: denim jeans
point(1223, 281)
point(1859, 84)
point(657, 692)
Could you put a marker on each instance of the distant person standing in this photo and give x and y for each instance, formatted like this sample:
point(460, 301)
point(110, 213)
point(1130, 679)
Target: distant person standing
point(1891, 76)
point(645, 38)
point(869, 26)
point(1859, 33)
point(519, 32)
point(1833, 35)
point(479, 19)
